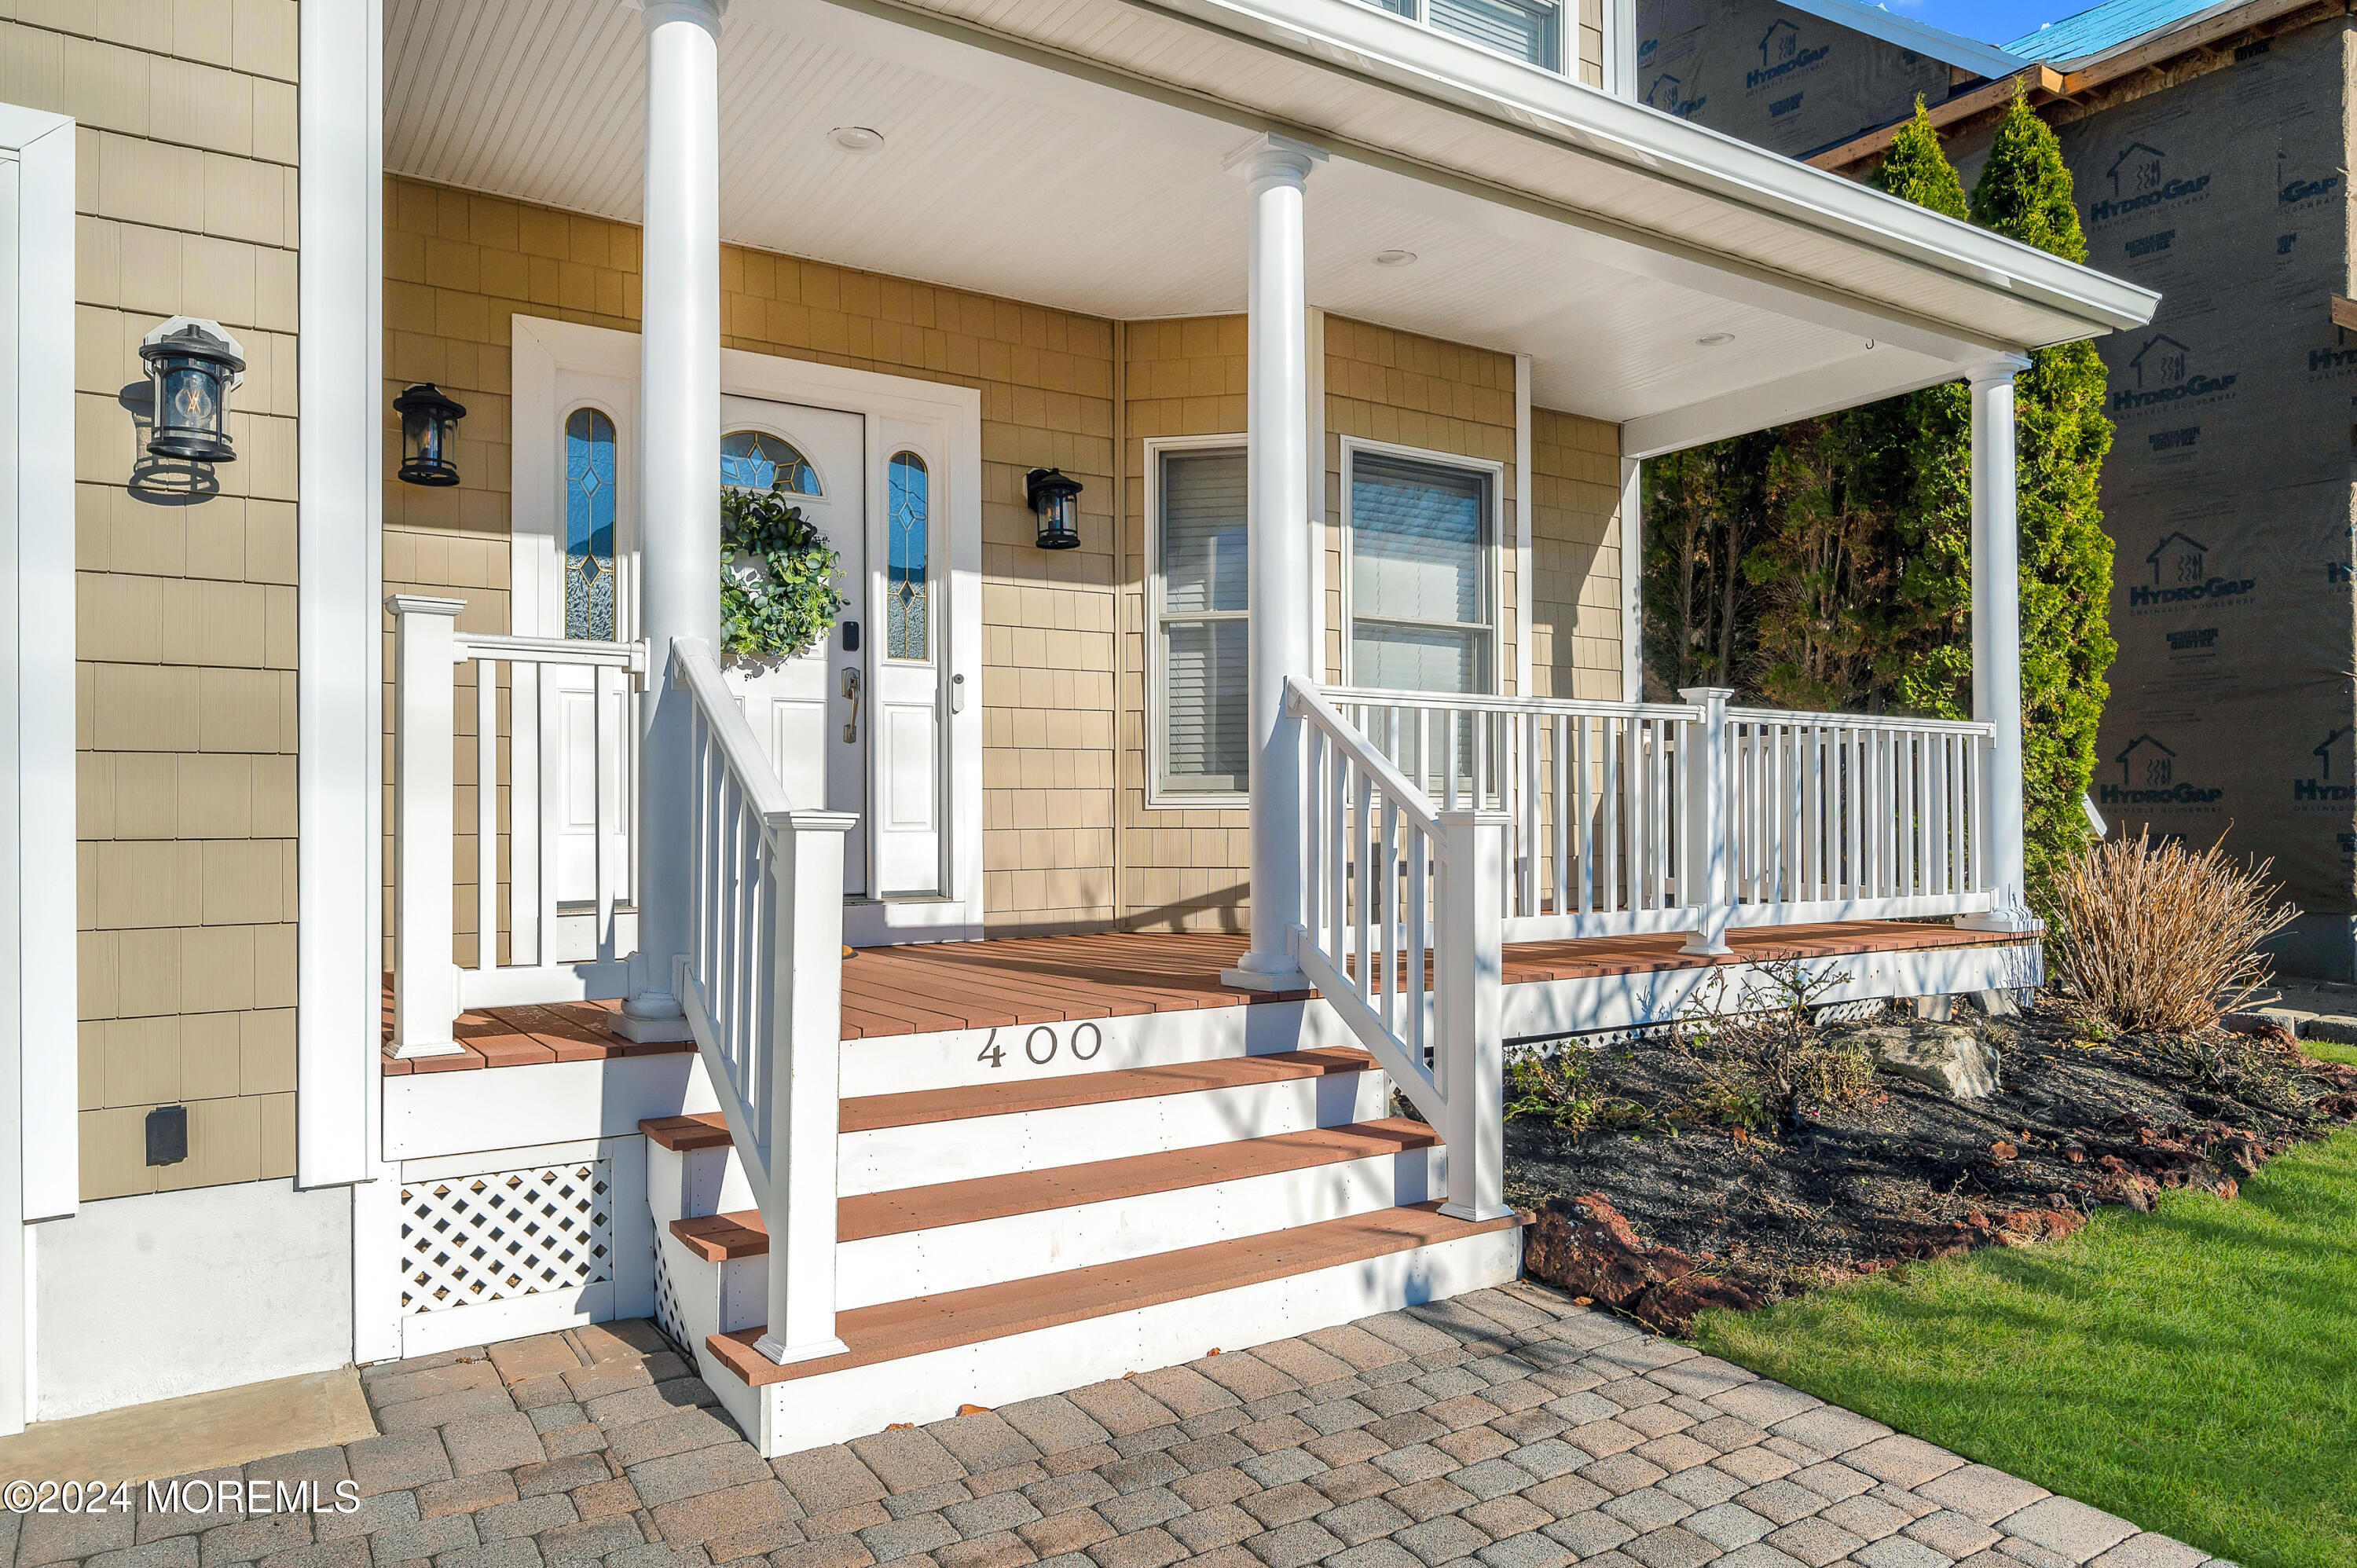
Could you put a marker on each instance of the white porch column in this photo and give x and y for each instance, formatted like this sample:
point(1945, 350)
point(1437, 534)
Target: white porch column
point(1997, 640)
point(679, 469)
point(1278, 474)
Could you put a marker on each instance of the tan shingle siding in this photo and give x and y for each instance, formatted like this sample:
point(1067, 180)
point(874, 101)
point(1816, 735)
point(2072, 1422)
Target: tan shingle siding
point(186, 191)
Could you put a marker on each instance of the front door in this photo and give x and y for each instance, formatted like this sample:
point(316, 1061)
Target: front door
point(812, 713)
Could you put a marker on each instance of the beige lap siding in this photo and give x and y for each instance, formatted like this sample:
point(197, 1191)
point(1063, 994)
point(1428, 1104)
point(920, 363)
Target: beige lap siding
point(1576, 561)
point(185, 189)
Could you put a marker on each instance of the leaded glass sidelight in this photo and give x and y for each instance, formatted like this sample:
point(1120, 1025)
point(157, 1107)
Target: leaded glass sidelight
point(589, 526)
point(907, 593)
point(755, 460)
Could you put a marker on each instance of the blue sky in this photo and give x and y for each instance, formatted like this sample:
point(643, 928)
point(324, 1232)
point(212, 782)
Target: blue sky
point(1991, 21)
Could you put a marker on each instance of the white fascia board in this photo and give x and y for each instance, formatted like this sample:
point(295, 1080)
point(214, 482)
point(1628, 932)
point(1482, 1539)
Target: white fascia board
point(1826, 389)
point(339, 517)
point(1350, 35)
point(45, 963)
point(1906, 33)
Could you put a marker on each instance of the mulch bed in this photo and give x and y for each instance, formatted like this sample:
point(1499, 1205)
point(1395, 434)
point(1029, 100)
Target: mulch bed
point(1680, 1214)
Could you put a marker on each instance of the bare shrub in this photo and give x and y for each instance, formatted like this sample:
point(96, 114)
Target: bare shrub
point(1762, 1057)
point(2155, 938)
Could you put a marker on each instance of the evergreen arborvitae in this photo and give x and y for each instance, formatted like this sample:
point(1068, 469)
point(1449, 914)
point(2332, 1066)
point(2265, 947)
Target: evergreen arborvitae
point(2066, 558)
point(1917, 169)
point(1924, 662)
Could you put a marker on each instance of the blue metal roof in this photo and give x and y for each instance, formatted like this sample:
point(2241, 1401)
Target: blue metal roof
point(2104, 26)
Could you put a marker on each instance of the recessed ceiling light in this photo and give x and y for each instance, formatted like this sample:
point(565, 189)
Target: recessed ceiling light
point(1714, 339)
point(1395, 258)
point(856, 138)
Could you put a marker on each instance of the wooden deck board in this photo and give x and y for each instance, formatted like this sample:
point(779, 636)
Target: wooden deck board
point(1021, 981)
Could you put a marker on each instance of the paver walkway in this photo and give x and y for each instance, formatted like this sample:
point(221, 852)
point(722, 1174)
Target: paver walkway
point(1503, 1429)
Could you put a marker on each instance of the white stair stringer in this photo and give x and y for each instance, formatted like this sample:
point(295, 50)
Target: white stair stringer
point(833, 1406)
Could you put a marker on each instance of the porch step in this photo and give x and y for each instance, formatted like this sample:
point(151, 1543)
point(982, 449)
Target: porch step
point(900, 1330)
point(870, 1113)
point(684, 1135)
point(719, 1238)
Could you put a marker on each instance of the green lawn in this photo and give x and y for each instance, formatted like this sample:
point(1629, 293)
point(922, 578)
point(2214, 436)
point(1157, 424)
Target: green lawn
point(2193, 1369)
point(2326, 1051)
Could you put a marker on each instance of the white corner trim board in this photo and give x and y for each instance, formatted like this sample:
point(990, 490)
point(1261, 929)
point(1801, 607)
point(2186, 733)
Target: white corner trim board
point(38, 557)
point(339, 441)
point(39, 1023)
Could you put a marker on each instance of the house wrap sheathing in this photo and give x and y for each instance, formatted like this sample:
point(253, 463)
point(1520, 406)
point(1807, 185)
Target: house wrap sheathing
point(2217, 174)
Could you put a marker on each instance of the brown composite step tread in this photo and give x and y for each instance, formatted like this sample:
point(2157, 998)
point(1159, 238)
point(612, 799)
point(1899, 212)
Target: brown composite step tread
point(867, 1113)
point(893, 1330)
point(741, 1234)
point(704, 1130)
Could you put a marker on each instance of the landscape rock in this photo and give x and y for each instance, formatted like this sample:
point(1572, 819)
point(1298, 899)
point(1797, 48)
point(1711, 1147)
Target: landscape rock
point(1946, 1056)
point(2339, 1028)
point(1586, 1247)
point(2265, 1025)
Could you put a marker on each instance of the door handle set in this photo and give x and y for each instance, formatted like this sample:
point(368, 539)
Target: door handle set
point(851, 687)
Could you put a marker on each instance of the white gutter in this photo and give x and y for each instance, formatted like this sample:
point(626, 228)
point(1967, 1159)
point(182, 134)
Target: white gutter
point(1350, 35)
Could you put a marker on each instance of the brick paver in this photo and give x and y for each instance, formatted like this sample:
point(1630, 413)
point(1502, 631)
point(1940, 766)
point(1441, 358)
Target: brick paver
point(1504, 1429)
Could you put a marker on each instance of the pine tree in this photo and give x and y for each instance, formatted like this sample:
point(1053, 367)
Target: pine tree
point(2024, 192)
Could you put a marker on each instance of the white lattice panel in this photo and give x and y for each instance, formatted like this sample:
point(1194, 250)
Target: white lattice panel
point(466, 1241)
point(668, 1316)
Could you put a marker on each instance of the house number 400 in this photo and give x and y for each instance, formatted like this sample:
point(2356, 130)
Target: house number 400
point(1039, 1047)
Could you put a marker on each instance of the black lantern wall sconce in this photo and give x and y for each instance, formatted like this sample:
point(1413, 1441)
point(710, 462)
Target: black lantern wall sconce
point(429, 425)
point(192, 367)
point(1056, 502)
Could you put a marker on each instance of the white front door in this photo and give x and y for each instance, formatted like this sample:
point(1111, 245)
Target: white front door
point(812, 713)
point(883, 721)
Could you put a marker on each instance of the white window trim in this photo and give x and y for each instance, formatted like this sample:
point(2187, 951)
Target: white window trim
point(1493, 567)
point(39, 1095)
point(1157, 798)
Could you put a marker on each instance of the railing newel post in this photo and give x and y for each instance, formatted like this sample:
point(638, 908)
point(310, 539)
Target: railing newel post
point(1707, 821)
point(1470, 975)
point(425, 968)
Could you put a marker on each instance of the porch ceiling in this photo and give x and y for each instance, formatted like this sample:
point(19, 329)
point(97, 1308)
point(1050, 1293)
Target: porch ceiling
point(1061, 180)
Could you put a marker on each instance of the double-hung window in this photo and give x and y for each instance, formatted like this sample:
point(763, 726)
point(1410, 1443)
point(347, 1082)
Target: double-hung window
point(1421, 544)
point(1201, 730)
point(1528, 30)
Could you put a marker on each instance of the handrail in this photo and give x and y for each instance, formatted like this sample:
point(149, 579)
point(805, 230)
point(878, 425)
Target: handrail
point(761, 984)
point(740, 751)
point(1902, 722)
point(1306, 700)
point(630, 656)
point(1488, 702)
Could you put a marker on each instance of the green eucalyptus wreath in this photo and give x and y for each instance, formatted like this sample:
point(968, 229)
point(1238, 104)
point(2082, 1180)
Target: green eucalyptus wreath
point(777, 576)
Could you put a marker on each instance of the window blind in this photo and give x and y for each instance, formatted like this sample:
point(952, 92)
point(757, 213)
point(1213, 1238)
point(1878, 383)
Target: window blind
point(1419, 552)
point(1527, 31)
point(1206, 645)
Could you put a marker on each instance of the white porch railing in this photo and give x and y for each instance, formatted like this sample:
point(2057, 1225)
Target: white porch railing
point(1439, 828)
point(1820, 816)
point(1392, 877)
point(762, 986)
point(543, 727)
